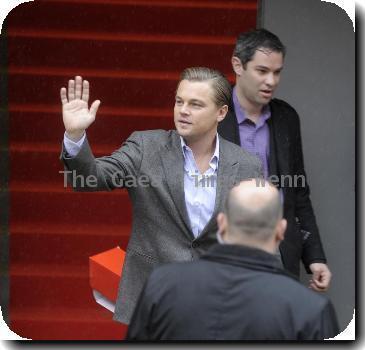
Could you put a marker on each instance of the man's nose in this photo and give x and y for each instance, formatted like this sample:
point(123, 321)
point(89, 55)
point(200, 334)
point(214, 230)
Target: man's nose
point(184, 109)
point(271, 79)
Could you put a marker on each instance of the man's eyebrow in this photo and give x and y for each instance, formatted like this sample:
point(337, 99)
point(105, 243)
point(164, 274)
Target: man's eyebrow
point(196, 100)
point(193, 100)
point(267, 68)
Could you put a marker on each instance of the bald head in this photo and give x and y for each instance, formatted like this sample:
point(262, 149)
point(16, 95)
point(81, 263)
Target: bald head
point(253, 209)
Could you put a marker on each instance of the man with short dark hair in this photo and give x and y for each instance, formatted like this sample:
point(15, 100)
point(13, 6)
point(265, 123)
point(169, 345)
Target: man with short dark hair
point(237, 290)
point(270, 129)
point(177, 180)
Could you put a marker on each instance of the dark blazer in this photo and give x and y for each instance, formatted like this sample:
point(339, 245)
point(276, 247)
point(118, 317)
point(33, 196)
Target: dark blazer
point(161, 230)
point(302, 240)
point(232, 293)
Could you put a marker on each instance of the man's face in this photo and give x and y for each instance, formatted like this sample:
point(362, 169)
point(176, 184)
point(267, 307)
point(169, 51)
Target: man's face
point(258, 79)
point(195, 114)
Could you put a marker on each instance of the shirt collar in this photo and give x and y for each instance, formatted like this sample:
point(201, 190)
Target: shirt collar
point(215, 158)
point(241, 113)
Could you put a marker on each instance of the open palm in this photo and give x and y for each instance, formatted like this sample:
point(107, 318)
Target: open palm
point(77, 117)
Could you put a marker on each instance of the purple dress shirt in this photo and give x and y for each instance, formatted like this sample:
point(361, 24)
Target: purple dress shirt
point(255, 138)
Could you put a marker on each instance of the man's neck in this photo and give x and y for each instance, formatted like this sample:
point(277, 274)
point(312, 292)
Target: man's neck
point(252, 111)
point(203, 146)
point(269, 246)
point(203, 150)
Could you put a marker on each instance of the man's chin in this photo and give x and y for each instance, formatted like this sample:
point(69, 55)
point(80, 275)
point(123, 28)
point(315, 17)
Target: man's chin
point(182, 132)
point(179, 132)
point(265, 100)
point(185, 135)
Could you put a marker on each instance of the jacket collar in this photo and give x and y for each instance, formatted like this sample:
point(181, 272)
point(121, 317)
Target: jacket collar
point(244, 256)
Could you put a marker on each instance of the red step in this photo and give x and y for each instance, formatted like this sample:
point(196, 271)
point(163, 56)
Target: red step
point(195, 18)
point(59, 205)
point(30, 51)
point(51, 286)
point(39, 164)
point(71, 244)
point(136, 89)
point(111, 127)
point(65, 324)
point(25, 166)
point(55, 302)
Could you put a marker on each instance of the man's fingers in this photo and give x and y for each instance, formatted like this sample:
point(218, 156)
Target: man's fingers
point(85, 91)
point(321, 277)
point(71, 90)
point(78, 86)
point(63, 95)
point(94, 108)
point(319, 284)
point(314, 287)
point(317, 278)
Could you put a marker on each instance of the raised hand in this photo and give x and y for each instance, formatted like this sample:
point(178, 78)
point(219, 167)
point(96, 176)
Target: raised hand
point(77, 117)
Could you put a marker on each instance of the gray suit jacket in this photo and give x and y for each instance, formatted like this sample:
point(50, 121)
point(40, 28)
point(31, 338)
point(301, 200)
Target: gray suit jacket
point(161, 230)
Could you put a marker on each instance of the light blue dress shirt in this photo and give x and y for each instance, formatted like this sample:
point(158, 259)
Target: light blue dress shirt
point(199, 189)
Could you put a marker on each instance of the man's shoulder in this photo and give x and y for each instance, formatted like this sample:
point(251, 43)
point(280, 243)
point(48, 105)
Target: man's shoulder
point(152, 138)
point(231, 149)
point(229, 146)
point(157, 134)
point(177, 272)
point(283, 109)
point(174, 269)
point(281, 103)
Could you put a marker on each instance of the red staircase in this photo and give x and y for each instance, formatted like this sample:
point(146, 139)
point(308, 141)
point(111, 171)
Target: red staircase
point(132, 53)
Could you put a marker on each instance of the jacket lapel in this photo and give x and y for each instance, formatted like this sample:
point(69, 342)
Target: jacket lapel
point(173, 164)
point(279, 143)
point(273, 166)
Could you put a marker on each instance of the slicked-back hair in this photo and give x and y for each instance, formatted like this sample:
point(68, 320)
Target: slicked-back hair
point(221, 87)
point(248, 43)
point(255, 221)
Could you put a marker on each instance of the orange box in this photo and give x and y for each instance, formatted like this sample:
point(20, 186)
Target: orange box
point(105, 271)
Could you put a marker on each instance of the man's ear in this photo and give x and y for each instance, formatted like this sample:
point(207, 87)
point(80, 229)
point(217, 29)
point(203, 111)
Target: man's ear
point(280, 229)
point(222, 113)
point(236, 65)
point(222, 223)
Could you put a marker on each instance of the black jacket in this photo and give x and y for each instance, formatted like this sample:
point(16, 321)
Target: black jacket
point(302, 240)
point(231, 293)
